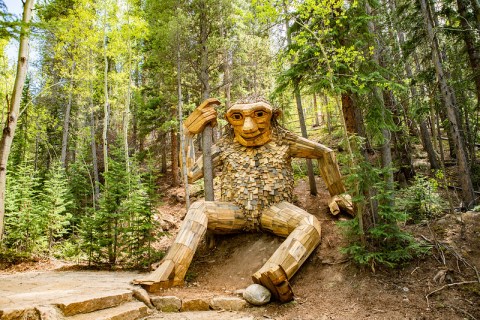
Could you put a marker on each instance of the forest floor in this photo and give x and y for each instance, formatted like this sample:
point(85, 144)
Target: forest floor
point(442, 285)
point(329, 285)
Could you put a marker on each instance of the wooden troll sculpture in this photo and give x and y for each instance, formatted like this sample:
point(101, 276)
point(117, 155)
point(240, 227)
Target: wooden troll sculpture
point(256, 185)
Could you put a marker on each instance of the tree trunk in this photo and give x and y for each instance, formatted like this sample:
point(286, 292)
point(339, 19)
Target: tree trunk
point(349, 114)
point(164, 153)
point(329, 116)
point(401, 143)
point(180, 124)
point(315, 110)
point(424, 134)
point(452, 112)
point(303, 128)
point(470, 45)
point(126, 117)
point(174, 142)
point(301, 117)
point(476, 11)
point(14, 107)
point(93, 142)
point(385, 148)
point(66, 121)
point(208, 132)
point(106, 104)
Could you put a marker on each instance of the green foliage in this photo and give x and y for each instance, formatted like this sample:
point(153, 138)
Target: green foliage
point(420, 200)
point(120, 231)
point(23, 216)
point(378, 240)
point(37, 214)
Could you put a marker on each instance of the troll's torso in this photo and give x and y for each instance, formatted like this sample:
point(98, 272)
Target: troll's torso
point(255, 177)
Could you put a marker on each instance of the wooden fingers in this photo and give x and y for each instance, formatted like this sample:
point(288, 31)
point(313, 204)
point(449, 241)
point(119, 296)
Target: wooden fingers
point(204, 114)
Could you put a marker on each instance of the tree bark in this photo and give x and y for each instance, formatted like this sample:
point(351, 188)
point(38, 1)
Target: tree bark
point(472, 49)
point(385, 148)
point(66, 121)
point(349, 114)
point(106, 104)
point(315, 110)
point(303, 128)
point(14, 107)
point(93, 142)
point(329, 115)
point(208, 131)
point(180, 123)
point(164, 139)
point(452, 112)
point(301, 117)
point(174, 141)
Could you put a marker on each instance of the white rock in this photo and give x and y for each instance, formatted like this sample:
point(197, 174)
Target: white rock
point(257, 295)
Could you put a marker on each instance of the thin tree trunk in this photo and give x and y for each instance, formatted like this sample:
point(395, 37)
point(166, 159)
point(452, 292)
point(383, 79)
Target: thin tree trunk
point(470, 45)
point(329, 116)
point(126, 117)
point(66, 121)
point(14, 107)
point(385, 148)
point(180, 124)
point(93, 144)
point(208, 131)
point(174, 143)
point(164, 153)
point(106, 104)
point(452, 112)
point(349, 114)
point(301, 117)
point(476, 11)
point(424, 135)
point(315, 110)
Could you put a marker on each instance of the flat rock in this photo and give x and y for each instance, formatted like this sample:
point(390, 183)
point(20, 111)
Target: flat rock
point(128, 311)
point(195, 305)
point(19, 313)
point(167, 303)
point(228, 303)
point(82, 304)
point(257, 295)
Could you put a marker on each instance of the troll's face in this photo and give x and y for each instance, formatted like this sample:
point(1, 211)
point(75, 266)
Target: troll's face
point(251, 123)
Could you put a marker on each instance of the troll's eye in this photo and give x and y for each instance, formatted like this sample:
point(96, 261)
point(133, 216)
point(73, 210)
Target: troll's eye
point(259, 113)
point(237, 116)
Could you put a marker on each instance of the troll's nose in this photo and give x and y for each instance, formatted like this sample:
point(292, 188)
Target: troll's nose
point(249, 126)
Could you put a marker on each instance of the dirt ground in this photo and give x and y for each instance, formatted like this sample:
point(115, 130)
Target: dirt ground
point(442, 285)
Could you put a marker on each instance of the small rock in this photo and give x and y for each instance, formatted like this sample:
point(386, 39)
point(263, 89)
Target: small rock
point(48, 312)
point(257, 295)
point(239, 292)
point(195, 305)
point(405, 289)
point(228, 303)
point(167, 303)
point(142, 295)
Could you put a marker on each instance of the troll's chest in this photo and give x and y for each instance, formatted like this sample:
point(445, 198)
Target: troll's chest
point(255, 177)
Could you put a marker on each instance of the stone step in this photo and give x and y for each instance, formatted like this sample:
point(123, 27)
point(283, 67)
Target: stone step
point(128, 311)
point(89, 302)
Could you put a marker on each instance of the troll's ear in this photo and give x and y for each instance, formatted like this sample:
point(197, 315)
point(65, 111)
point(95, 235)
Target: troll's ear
point(276, 114)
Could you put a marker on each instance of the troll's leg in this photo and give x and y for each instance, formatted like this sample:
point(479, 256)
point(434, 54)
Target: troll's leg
point(217, 216)
point(303, 235)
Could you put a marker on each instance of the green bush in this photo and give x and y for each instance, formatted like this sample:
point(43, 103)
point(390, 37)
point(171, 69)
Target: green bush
point(420, 200)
